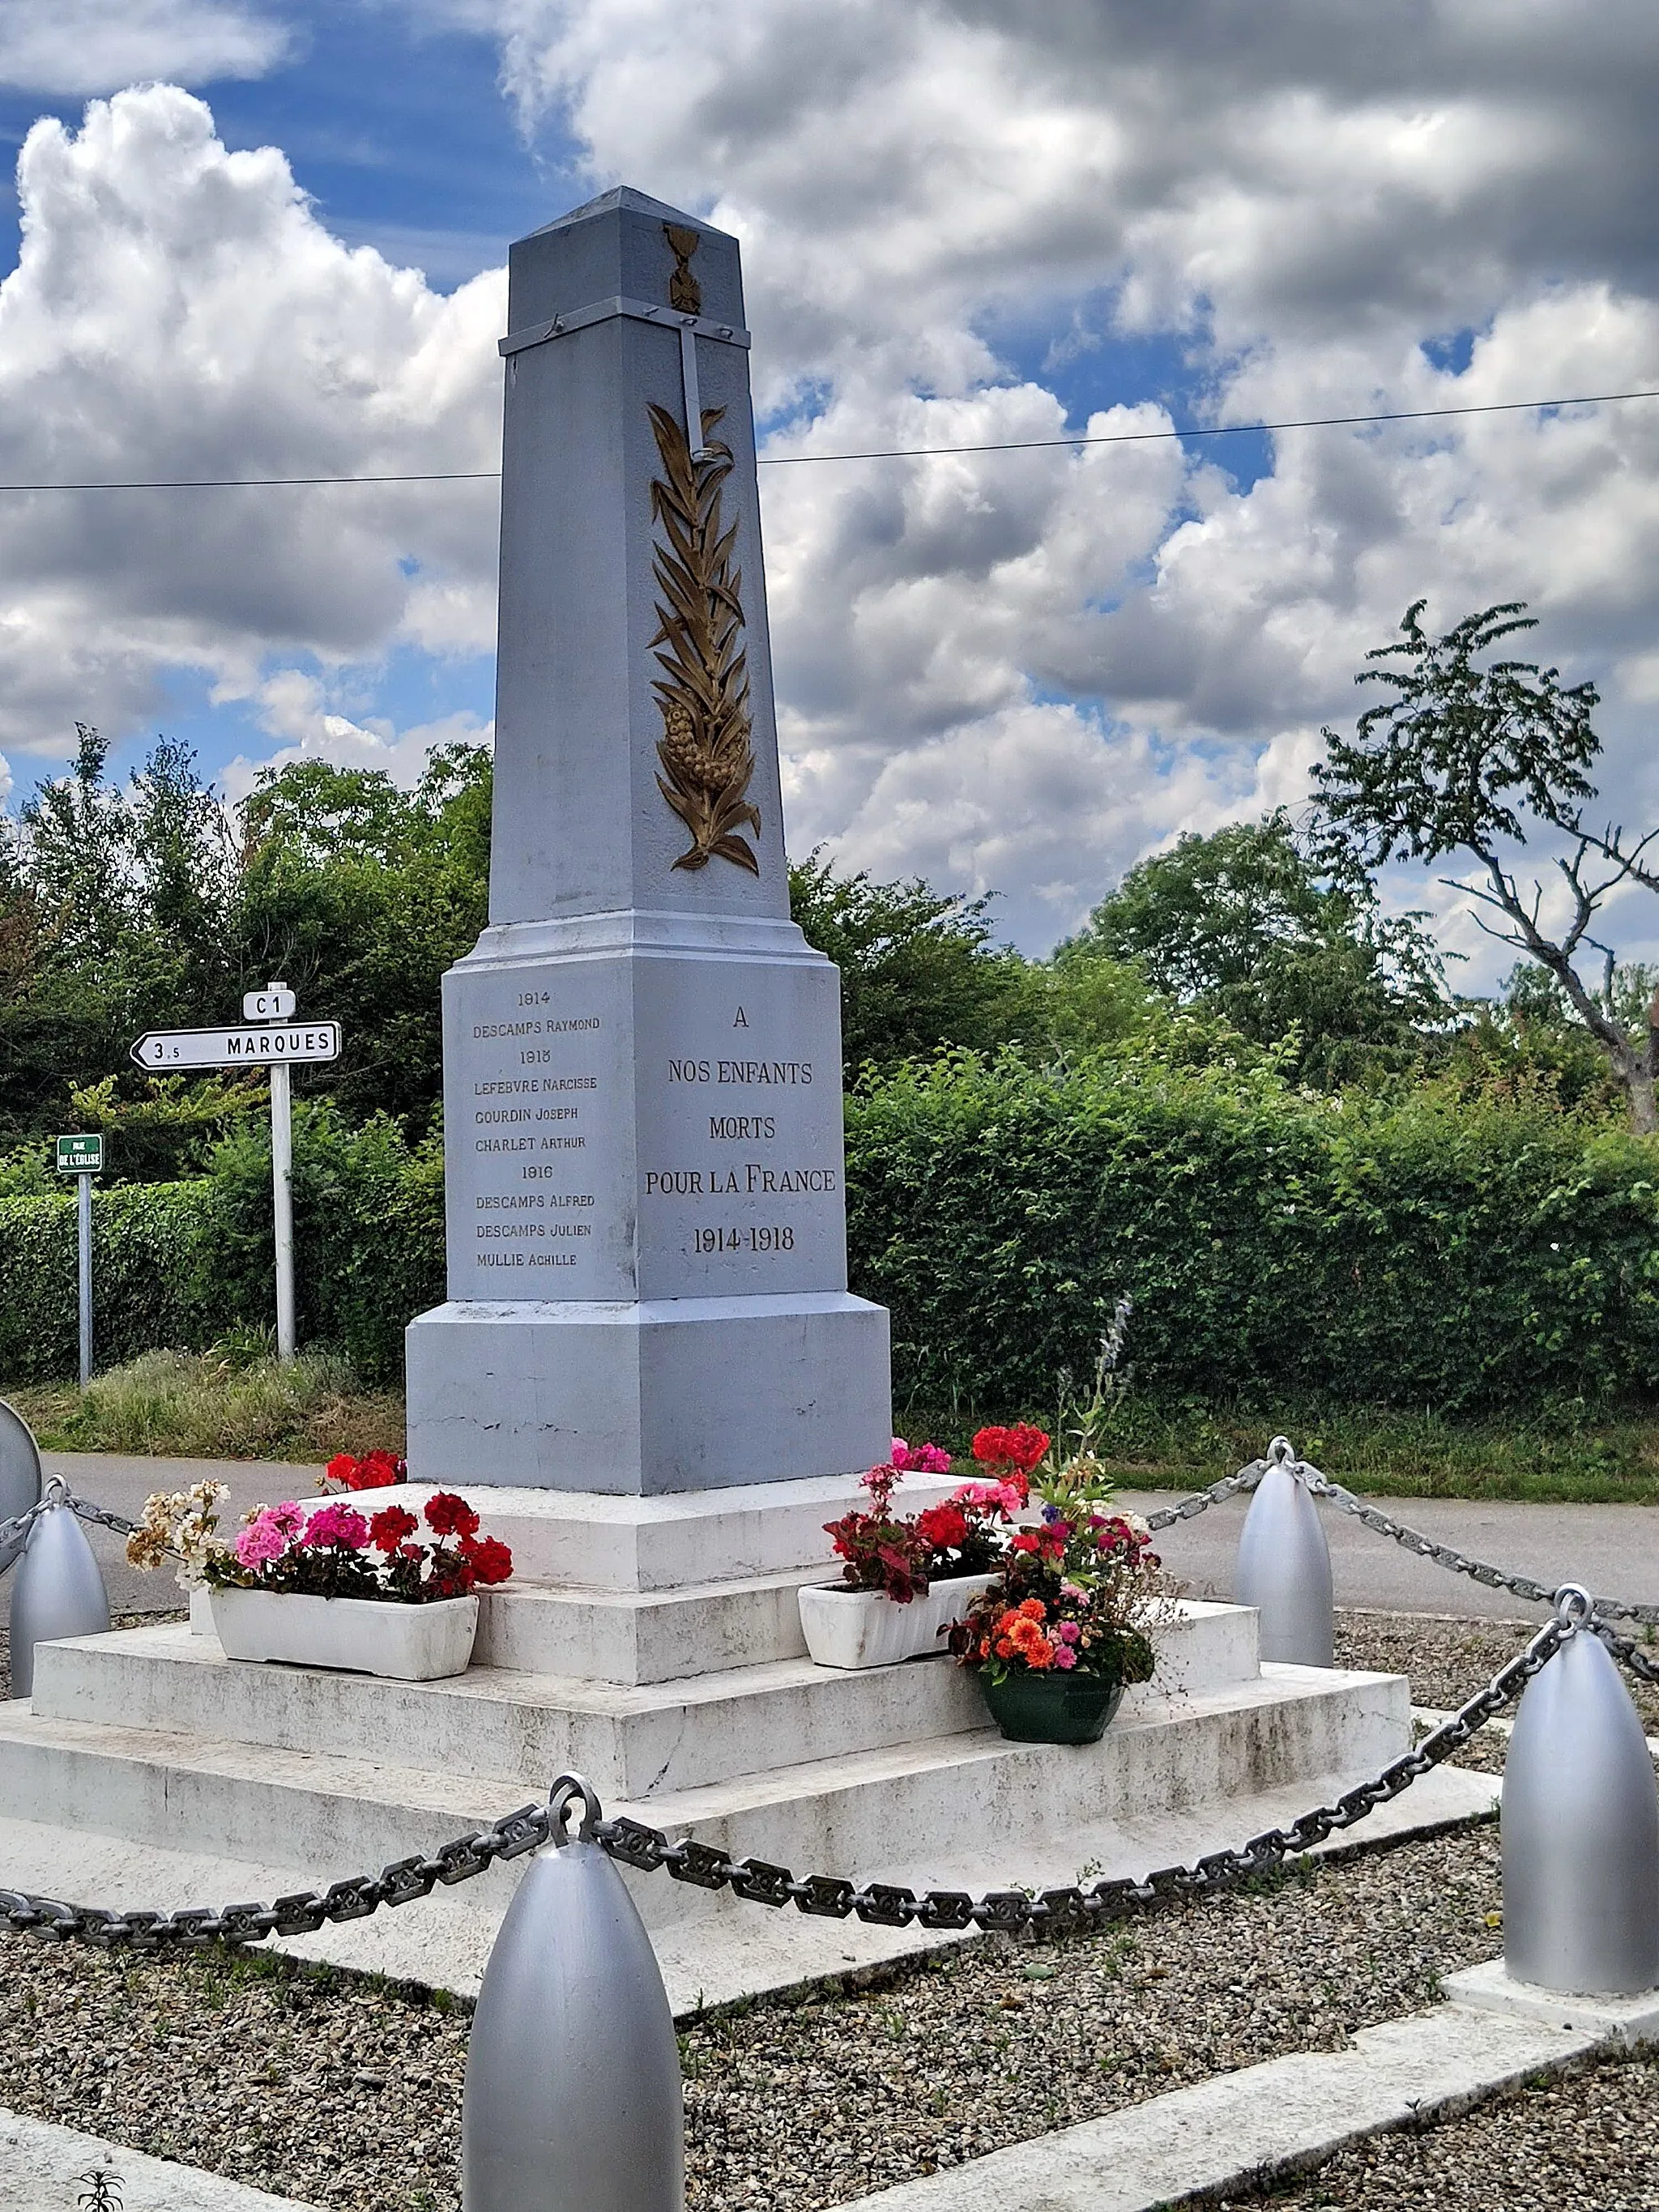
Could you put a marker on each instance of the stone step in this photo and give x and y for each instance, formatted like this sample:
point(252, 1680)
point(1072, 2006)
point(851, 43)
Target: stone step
point(587, 1539)
point(643, 1636)
point(636, 1739)
point(929, 1805)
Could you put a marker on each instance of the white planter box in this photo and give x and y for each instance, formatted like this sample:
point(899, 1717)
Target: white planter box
point(366, 1636)
point(867, 1628)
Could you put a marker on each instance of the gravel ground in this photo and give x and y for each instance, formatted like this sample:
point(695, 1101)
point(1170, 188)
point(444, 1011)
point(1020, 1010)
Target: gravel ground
point(346, 2092)
point(1590, 2139)
point(329, 2089)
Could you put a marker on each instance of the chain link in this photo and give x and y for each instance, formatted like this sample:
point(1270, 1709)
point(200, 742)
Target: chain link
point(757, 1881)
point(1448, 1555)
point(1202, 1500)
point(1062, 1910)
point(302, 1914)
point(1281, 1453)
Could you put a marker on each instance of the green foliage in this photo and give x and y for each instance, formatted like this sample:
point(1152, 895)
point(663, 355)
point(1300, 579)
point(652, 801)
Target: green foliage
point(367, 1229)
point(155, 1257)
point(1277, 1245)
point(918, 970)
point(1244, 926)
point(1473, 758)
point(124, 909)
point(1461, 756)
point(186, 1266)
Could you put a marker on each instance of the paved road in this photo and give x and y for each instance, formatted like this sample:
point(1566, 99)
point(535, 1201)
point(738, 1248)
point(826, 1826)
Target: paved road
point(123, 1481)
point(1612, 1548)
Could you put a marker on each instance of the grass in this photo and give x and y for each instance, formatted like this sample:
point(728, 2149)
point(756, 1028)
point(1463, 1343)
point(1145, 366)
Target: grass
point(238, 1402)
point(1560, 1457)
point(217, 1404)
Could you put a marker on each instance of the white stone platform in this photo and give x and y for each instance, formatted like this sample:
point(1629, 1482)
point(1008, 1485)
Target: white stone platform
point(652, 1644)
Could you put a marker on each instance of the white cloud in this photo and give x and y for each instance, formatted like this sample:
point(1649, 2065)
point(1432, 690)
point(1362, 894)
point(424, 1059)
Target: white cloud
point(73, 47)
point(1013, 671)
point(179, 310)
point(295, 708)
point(1019, 671)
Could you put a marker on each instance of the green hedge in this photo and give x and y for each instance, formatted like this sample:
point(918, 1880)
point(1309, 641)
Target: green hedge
point(1279, 1247)
point(156, 1259)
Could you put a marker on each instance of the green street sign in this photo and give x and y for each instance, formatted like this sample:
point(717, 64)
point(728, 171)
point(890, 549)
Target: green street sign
point(80, 1156)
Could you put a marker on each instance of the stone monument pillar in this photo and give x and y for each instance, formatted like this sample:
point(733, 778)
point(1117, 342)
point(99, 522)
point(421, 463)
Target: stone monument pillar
point(642, 1104)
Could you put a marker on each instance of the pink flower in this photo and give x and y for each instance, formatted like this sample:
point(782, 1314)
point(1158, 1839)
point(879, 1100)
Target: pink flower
point(335, 1524)
point(1063, 1656)
point(1010, 1497)
point(1068, 1632)
point(287, 1517)
point(261, 1540)
point(1074, 1591)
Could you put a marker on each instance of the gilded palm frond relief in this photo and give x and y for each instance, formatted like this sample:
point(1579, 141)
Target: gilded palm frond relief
point(707, 759)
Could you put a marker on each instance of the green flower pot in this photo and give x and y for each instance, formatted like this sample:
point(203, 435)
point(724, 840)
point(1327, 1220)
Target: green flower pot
point(1052, 1708)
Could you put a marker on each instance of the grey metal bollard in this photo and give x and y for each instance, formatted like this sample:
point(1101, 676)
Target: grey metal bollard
point(573, 2100)
point(1581, 1826)
point(19, 1475)
point(59, 1591)
point(1284, 1567)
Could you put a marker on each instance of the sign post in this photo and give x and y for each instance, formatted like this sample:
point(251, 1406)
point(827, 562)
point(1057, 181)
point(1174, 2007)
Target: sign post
point(276, 1003)
point(83, 1157)
point(272, 1039)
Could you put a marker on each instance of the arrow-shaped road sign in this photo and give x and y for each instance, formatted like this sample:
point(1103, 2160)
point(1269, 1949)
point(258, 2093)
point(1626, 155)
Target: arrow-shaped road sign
point(258, 1045)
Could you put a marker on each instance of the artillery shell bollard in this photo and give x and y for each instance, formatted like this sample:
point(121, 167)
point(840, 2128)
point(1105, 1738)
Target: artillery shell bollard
point(1284, 1567)
point(573, 2100)
point(19, 1475)
point(1580, 1826)
point(59, 1590)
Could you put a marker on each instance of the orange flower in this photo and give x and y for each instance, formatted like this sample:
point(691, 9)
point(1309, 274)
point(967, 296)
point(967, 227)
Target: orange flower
point(1033, 1609)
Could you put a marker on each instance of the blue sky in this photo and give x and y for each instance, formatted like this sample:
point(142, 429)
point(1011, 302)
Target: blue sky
point(963, 220)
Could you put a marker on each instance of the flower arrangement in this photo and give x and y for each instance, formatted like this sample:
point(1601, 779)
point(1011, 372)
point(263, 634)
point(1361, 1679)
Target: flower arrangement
point(901, 1555)
point(1076, 1593)
point(332, 1551)
point(376, 1470)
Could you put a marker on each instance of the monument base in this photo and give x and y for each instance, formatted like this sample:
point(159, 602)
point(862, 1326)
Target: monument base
point(642, 1399)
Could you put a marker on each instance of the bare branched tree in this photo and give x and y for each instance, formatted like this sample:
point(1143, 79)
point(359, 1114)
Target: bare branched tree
point(1472, 755)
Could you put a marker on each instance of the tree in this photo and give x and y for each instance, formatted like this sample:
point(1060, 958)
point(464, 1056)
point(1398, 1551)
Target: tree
point(1245, 925)
point(1470, 754)
point(918, 969)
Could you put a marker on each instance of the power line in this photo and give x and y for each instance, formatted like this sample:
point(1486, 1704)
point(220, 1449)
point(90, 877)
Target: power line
point(870, 453)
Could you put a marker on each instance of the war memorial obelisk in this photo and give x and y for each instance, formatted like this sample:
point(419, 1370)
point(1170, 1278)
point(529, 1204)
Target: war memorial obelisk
point(642, 1100)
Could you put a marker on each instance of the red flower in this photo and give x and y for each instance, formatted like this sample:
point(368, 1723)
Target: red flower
point(1024, 1540)
point(450, 1515)
point(944, 1526)
point(491, 1560)
point(1021, 1446)
point(340, 1468)
point(389, 1526)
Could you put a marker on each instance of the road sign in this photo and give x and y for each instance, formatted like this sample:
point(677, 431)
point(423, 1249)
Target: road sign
point(276, 1003)
point(80, 1156)
point(277, 1044)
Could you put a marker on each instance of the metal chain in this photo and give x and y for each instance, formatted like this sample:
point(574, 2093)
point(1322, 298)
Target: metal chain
point(1202, 1500)
point(1627, 1652)
point(353, 1898)
point(755, 1881)
point(1065, 1910)
point(1447, 1555)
